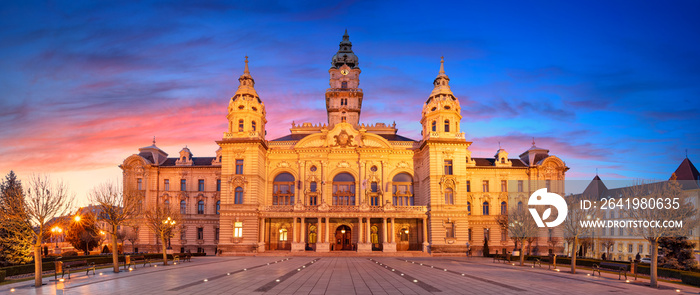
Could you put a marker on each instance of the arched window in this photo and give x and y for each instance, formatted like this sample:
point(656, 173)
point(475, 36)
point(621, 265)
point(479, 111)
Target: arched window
point(520, 206)
point(183, 207)
point(447, 125)
point(252, 125)
point(344, 190)
point(218, 206)
point(504, 208)
point(469, 208)
point(344, 85)
point(200, 207)
point(485, 208)
point(374, 196)
point(449, 197)
point(240, 126)
point(238, 196)
point(403, 189)
point(283, 189)
point(434, 126)
point(167, 204)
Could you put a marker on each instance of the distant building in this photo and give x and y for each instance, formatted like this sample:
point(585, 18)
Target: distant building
point(625, 245)
point(342, 185)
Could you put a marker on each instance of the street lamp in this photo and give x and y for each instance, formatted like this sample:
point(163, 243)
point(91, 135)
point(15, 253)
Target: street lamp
point(56, 230)
point(77, 218)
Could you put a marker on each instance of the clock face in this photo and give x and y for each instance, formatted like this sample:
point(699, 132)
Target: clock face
point(344, 71)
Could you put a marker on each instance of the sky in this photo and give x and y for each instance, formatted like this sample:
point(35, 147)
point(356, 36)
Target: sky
point(606, 85)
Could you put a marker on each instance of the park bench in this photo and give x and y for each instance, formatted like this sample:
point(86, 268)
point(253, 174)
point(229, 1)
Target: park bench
point(502, 257)
point(68, 266)
point(618, 267)
point(137, 259)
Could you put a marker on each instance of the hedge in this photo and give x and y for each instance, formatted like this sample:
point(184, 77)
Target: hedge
point(2, 276)
point(690, 278)
point(49, 263)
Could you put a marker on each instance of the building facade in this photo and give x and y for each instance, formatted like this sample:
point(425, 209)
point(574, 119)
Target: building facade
point(343, 185)
point(620, 243)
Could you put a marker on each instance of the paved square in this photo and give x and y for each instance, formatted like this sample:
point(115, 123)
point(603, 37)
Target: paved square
point(341, 275)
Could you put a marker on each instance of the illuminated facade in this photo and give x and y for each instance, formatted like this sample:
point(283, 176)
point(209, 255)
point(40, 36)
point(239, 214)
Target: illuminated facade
point(344, 185)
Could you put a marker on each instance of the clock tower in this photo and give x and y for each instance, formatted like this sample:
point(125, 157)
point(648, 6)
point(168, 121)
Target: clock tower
point(344, 98)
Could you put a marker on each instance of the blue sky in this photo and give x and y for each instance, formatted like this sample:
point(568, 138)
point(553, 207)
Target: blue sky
point(612, 85)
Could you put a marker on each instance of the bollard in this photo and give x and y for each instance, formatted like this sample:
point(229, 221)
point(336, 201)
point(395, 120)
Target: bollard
point(58, 268)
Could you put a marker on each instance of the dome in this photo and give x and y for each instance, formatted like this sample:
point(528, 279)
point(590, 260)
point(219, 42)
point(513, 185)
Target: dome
point(345, 56)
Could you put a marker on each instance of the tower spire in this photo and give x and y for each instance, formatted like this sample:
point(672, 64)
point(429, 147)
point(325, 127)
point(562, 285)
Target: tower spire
point(246, 71)
point(442, 66)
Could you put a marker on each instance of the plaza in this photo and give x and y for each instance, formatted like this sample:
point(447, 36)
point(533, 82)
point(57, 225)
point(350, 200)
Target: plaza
point(342, 275)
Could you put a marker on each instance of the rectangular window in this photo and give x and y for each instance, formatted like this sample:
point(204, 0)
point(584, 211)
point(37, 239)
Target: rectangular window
point(450, 230)
point(216, 233)
point(238, 229)
point(629, 248)
point(487, 236)
point(641, 248)
point(218, 185)
point(166, 184)
point(239, 166)
point(504, 234)
point(469, 186)
point(485, 186)
point(448, 167)
point(621, 232)
point(470, 234)
point(520, 186)
point(312, 187)
point(139, 183)
point(504, 186)
point(200, 233)
point(200, 185)
point(183, 185)
point(373, 187)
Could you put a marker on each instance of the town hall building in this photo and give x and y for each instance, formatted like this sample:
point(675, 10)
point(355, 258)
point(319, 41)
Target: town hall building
point(343, 185)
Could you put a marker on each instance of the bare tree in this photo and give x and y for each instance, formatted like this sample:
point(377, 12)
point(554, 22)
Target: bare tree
point(607, 243)
point(122, 236)
point(520, 227)
point(43, 201)
point(553, 242)
point(132, 236)
point(115, 209)
point(675, 206)
point(164, 222)
point(573, 225)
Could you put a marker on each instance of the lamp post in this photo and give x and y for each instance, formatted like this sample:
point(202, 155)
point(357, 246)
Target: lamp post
point(56, 231)
point(169, 224)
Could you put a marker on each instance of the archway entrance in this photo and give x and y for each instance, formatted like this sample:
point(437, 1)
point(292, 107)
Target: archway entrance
point(343, 238)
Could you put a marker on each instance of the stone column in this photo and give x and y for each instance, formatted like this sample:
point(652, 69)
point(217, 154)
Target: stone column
point(321, 239)
point(384, 230)
point(262, 230)
point(392, 231)
point(328, 224)
point(425, 234)
point(368, 238)
point(359, 233)
point(388, 235)
point(302, 238)
point(294, 230)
